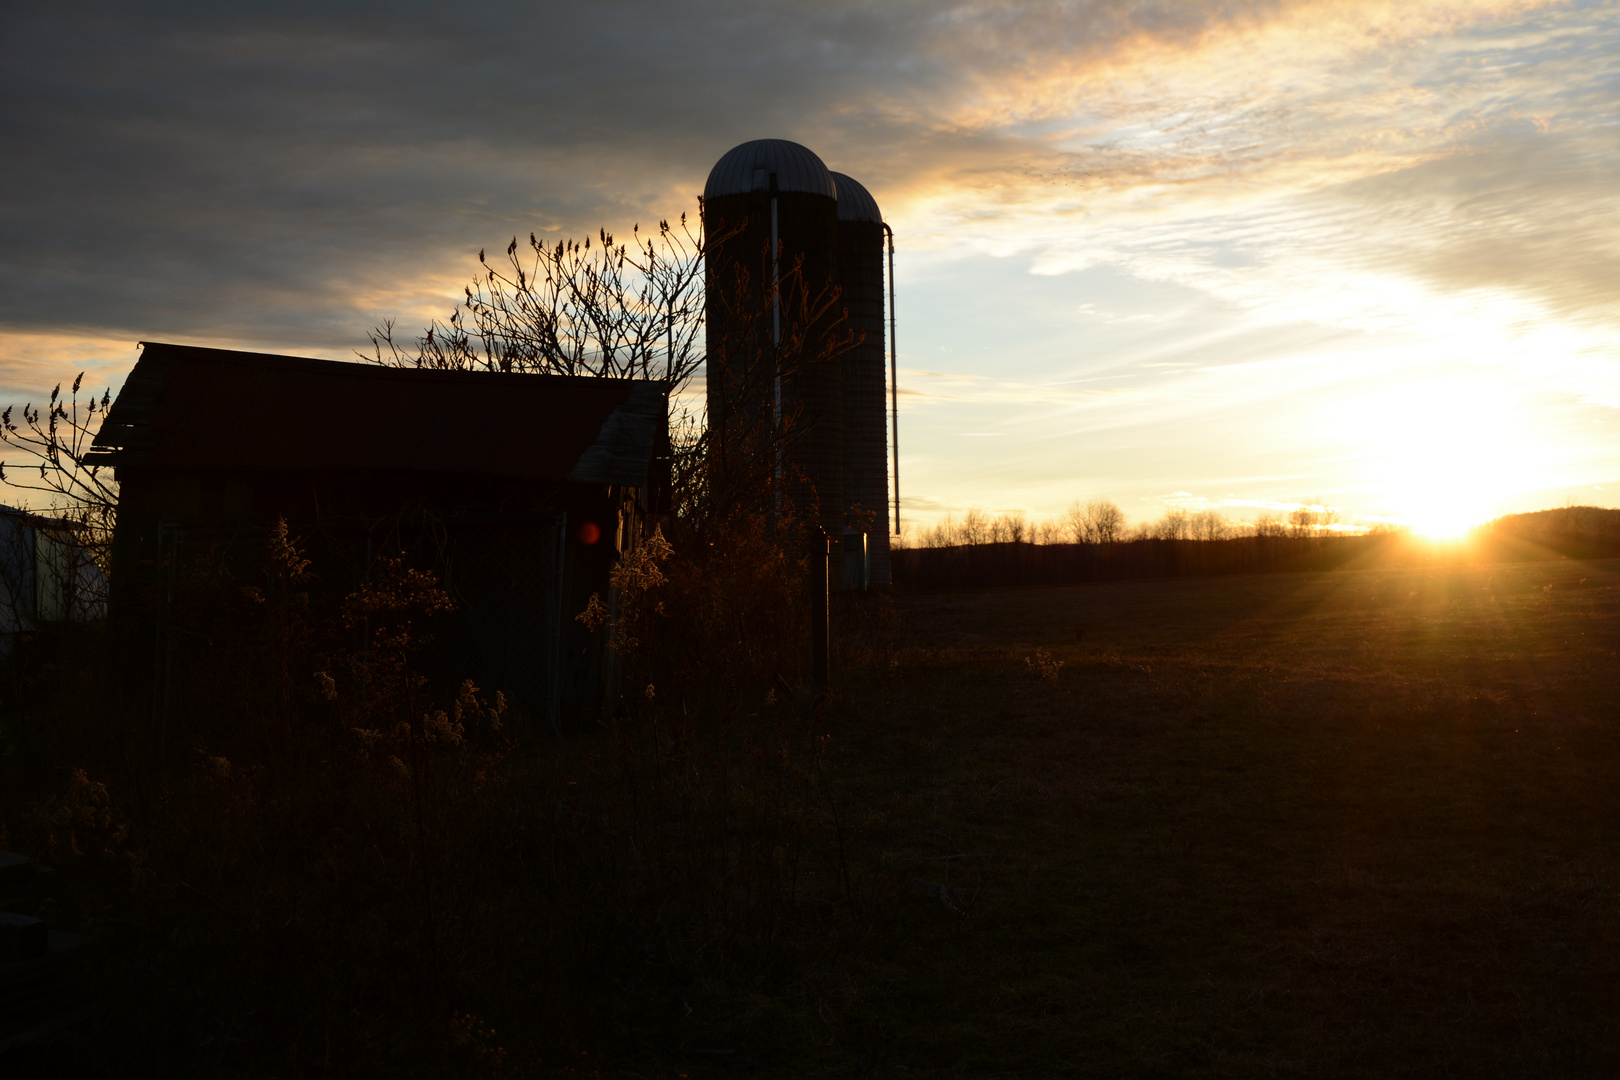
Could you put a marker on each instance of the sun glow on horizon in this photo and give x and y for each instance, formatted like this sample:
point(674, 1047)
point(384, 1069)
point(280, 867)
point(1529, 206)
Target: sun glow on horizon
point(1442, 452)
point(1443, 523)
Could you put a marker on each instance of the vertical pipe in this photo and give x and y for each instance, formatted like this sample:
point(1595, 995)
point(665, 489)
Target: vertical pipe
point(820, 552)
point(894, 381)
point(159, 721)
point(169, 553)
point(559, 545)
point(776, 284)
point(776, 339)
point(365, 636)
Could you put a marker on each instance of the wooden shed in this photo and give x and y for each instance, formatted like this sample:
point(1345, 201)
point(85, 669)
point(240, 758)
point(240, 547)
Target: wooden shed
point(521, 490)
point(46, 576)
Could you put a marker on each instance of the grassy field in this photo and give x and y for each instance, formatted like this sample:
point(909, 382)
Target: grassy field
point(1361, 823)
point(1355, 824)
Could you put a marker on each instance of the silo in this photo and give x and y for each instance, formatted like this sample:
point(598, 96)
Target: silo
point(860, 273)
point(775, 190)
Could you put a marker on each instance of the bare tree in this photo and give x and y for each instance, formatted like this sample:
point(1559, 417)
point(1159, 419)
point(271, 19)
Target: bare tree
point(1096, 522)
point(1269, 524)
point(53, 442)
point(1009, 528)
point(975, 528)
point(1074, 523)
point(1310, 518)
point(943, 534)
point(1208, 525)
point(638, 310)
point(1175, 525)
point(628, 311)
point(1105, 522)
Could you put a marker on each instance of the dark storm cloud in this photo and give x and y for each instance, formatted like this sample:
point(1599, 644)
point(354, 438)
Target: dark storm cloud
point(283, 172)
point(290, 174)
point(200, 168)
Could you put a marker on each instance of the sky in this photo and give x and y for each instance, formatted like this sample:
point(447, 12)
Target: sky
point(1226, 256)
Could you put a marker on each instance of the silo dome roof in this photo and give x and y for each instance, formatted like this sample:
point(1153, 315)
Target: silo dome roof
point(748, 167)
point(855, 203)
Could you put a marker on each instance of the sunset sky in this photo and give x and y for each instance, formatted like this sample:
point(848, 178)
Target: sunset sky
point(1210, 255)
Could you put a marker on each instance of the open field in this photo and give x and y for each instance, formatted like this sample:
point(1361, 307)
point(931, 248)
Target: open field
point(1361, 823)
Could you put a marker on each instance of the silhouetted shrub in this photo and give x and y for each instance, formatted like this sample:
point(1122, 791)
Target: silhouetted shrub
point(342, 864)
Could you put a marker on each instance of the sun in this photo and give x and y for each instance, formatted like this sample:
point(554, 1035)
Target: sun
point(1446, 491)
point(1440, 453)
point(1442, 523)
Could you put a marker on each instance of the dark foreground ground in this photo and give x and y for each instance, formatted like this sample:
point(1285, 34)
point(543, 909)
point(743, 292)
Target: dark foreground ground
point(1362, 823)
point(1353, 824)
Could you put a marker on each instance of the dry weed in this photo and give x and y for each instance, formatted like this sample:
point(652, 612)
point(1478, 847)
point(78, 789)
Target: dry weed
point(1042, 665)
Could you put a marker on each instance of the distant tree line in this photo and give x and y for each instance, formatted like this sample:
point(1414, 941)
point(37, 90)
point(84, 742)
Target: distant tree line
point(919, 569)
point(1184, 545)
point(1574, 532)
point(1101, 521)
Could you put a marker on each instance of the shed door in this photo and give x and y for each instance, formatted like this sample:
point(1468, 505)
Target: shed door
point(504, 635)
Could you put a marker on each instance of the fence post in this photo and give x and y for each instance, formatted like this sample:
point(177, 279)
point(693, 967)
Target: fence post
point(820, 551)
point(555, 632)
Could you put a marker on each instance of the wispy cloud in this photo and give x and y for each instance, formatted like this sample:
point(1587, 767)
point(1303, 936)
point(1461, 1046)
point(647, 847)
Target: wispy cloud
point(921, 388)
point(280, 170)
point(1312, 191)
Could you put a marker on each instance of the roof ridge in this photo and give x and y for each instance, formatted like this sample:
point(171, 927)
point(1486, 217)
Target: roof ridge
point(353, 367)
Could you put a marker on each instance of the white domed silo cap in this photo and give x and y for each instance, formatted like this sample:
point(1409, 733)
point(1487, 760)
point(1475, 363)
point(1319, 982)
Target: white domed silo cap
point(748, 168)
point(855, 203)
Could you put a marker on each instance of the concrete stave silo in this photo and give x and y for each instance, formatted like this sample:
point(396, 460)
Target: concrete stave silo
point(779, 191)
point(865, 419)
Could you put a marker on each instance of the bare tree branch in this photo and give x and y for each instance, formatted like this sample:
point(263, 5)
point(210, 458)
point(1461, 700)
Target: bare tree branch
point(54, 441)
point(639, 311)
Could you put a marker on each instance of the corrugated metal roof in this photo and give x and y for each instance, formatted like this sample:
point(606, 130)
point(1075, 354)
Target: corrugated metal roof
point(34, 521)
point(187, 407)
point(748, 167)
point(855, 203)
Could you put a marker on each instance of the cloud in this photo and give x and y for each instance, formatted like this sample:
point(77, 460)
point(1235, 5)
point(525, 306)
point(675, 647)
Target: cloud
point(1422, 167)
point(921, 388)
point(1301, 173)
point(292, 172)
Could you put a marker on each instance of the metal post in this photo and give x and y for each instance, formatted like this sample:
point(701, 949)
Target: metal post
point(776, 278)
point(776, 344)
point(820, 551)
point(365, 637)
point(554, 635)
point(894, 381)
point(169, 553)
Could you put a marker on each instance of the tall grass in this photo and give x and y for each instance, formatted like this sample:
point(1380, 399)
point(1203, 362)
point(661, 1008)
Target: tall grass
point(341, 866)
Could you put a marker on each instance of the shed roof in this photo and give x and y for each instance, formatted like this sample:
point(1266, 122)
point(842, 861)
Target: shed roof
point(855, 203)
point(29, 519)
point(188, 407)
point(748, 168)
